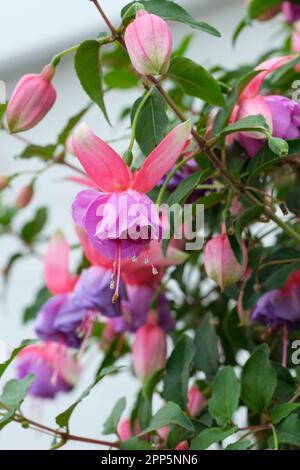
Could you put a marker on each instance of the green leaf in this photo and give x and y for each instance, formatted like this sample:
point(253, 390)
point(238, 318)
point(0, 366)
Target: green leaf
point(3, 107)
point(257, 8)
point(64, 134)
point(255, 123)
point(135, 444)
point(120, 78)
point(278, 146)
point(63, 418)
point(206, 342)
point(110, 425)
point(178, 371)
point(210, 436)
point(262, 162)
point(238, 30)
point(44, 152)
point(288, 432)
point(15, 391)
point(246, 218)
point(152, 122)
point(225, 397)
point(31, 229)
point(244, 81)
point(7, 418)
point(145, 405)
point(239, 445)
point(88, 69)
point(184, 189)
point(279, 412)
point(31, 311)
point(195, 81)
point(258, 380)
point(4, 365)
point(171, 11)
point(170, 413)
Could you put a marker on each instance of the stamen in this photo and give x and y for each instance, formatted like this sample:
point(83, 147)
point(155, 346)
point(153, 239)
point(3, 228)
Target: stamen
point(134, 259)
point(146, 261)
point(115, 297)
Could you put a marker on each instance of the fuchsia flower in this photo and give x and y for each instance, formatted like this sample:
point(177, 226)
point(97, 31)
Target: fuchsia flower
point(281, 114)
point(149, 44)
point(125, 431)
point(149, 351)
point(120, 219)
point(196, 400)
point(220, 263)
point(291, 12)
point(54, 368)
point(31, 100)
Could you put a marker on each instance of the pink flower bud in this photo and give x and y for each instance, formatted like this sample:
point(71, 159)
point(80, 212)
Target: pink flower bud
point(183, 445)
point(196, 400)
point(24, 197)
point(31, 100)
point(149, 351)
point(149, 44)
point(125, 431)
point(4, 182)
point(296, 43)
point(220, 263)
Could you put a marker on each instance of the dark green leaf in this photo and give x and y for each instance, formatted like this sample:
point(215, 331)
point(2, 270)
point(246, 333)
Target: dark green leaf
point(280, 412)
point(262, 162)
point(258, 380)
point(251, 123)
point(288, 431)
point(31, 311)
point(225, 397)
point(63, 418)
point(257, 8)
point(178, 371)
point(195, 81)
point(171, 11)
point(239, 445)
point(136, 444)
point(184, 189)
point(44, 152)
point(210, 436)
point(110, 425)
point(88, 69)
point(152, 122)
point(170, 413)
point(246, 218)
point(31, 229)
point(206, 342)
point(120, 78)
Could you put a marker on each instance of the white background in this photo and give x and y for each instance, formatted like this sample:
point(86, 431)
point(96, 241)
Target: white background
point(31, 33)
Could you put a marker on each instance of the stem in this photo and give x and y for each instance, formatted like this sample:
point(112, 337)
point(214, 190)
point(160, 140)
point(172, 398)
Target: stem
point(107, 21)
point(285, 342)
point(66, 436)
point(274, 436)
point(136, 116)
point(56, 59)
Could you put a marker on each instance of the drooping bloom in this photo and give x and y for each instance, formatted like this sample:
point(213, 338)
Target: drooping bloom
point(291, 12)
point(149, 351)
point(281, 114)
point(220, 263)
point(280, 307)
point(120, 219)
point(31, 100)
point(149, 43)
point(54, 368)
point(196, 399)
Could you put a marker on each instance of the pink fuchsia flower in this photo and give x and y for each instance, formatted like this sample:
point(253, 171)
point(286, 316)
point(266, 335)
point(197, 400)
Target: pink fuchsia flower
point(220, 263)
point(183, 445)
point(149, 44)
point(54, 368)
point(291, 12)
point(149, 351)
point(281, 114)
point(56, 266)
point(126, 431)
point(31, 100)
point(196, 399)
point(24, 196)
point(120, 219)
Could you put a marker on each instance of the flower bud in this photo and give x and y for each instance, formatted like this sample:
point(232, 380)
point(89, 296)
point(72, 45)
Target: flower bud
point(291, 12)
point(4, 182)
point(183, 445)
point(125, 431)
point(149, 351)
point(220, 263)
point(24, 197)
point(149, 44)
point(31, 100)
point(195, 401)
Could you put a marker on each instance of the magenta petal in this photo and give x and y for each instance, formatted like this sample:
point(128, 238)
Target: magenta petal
point(81, 204)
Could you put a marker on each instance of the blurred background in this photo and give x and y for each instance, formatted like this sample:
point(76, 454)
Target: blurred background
point(31, 33)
